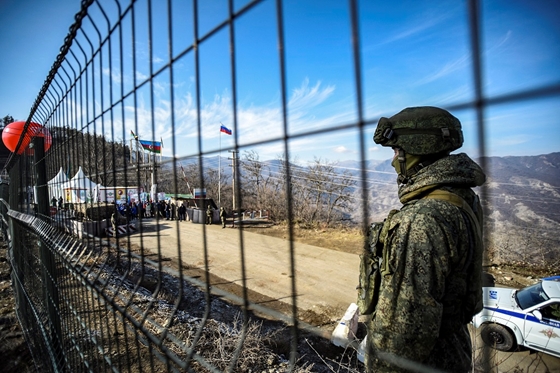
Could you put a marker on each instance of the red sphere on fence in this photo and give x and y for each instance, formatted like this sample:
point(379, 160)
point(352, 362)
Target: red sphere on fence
point(13, 131)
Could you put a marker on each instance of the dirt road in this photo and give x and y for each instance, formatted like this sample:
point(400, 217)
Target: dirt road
point(325, 279)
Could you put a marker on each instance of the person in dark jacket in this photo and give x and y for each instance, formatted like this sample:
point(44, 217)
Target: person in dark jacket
point(173, 211)
point(182, 212)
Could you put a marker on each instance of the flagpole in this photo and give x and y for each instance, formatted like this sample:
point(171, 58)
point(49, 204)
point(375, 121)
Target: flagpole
point(220, 172)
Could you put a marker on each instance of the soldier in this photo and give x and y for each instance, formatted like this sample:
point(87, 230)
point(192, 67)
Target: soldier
point(223, 216)
point(209, 215)
point(430, 251)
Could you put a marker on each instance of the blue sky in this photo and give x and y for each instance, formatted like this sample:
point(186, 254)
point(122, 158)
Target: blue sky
point(412, 53)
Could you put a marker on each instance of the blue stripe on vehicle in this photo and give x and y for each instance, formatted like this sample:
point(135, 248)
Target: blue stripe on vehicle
point(512, 313)
point(519, 315)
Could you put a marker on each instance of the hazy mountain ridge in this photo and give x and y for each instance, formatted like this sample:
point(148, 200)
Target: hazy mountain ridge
point(541, 167)
point(525, 189)
point(520, 189)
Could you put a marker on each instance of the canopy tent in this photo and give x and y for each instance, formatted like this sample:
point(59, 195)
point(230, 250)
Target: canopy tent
point(79, 189)
point(55, 185)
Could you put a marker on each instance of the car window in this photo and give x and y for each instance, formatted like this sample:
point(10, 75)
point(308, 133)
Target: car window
point(551, 311)
point(530, 296)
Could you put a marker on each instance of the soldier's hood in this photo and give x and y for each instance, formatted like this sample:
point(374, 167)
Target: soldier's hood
point(454, 170)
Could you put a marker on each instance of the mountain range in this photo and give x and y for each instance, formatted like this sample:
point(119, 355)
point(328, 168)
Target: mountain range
point(524, 189)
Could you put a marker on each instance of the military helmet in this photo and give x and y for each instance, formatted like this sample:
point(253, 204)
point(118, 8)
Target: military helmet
point(420, 130)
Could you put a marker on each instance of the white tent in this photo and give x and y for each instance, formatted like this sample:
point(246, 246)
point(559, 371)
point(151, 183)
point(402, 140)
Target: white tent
point(55, 185)
point(79, 189)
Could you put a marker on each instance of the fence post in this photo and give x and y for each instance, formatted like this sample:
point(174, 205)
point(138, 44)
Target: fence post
point(16, 243)
point(47, 258)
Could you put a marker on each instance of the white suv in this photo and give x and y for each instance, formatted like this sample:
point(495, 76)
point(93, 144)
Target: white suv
point(528, 317)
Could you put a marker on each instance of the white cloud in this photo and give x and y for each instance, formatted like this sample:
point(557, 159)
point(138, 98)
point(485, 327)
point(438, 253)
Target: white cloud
point(255, 124)
point(501, 41)
point(512, 140)
point(380, 152)
point(451, 67)
point(140, 76)
point(305, 96)
point(457, 94)
point(424, 21)
point(114, 74)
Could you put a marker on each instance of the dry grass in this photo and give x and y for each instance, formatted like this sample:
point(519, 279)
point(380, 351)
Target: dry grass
point(226, 339)
point(339, 238)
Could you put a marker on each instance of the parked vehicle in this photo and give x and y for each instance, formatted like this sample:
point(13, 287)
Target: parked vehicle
point(528, 317)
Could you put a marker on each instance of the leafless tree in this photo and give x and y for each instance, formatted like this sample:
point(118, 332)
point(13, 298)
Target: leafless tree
point(216, 182)
point(287, 188)
point(254, 178)
point(330, 191)
point(302, 194)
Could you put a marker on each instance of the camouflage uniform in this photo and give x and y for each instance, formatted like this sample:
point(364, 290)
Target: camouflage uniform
point(420, 313)
point(209, 214)
point(223, 216)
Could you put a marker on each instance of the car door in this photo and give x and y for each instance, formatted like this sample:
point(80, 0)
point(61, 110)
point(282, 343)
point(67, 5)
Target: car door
point(544, 333)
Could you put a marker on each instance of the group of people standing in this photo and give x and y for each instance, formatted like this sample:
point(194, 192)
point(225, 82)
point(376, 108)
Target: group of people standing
point(172, 212)
point(152, 209)
point(163, 209)
point(132, 211)
point(135, 210)
point(60, 202)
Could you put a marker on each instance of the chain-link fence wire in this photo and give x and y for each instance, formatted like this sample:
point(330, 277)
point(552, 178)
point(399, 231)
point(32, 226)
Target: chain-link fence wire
point(110, 304)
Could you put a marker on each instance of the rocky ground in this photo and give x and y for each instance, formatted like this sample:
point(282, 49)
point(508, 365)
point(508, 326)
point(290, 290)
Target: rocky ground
point(14, 354)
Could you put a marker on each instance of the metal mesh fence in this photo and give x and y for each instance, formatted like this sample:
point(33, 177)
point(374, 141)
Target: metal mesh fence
point(147, 292)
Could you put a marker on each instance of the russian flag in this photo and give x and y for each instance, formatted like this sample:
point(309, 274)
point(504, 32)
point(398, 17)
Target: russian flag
point(225, 130)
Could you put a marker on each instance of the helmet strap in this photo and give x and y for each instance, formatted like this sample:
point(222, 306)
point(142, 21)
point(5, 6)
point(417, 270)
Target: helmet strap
point(401, 157)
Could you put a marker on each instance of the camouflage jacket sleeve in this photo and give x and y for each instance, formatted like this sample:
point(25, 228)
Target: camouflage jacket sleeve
point(408, 316)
